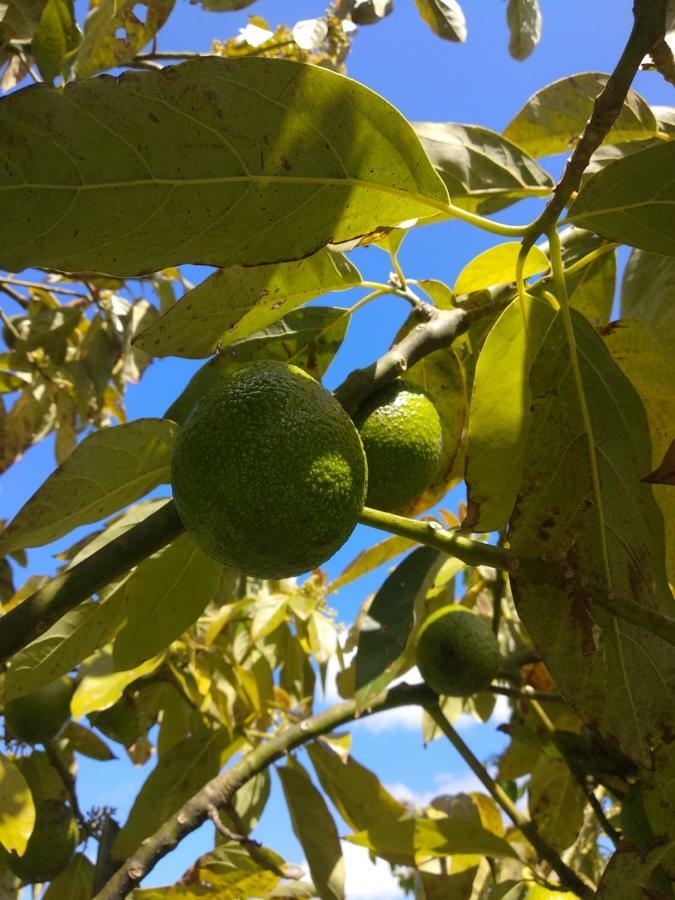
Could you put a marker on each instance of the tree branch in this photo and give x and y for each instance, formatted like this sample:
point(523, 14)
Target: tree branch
point(219, 791)
point(31, 618)
point(649, 21)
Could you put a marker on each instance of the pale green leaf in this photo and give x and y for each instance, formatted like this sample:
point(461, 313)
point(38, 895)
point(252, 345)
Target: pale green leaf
point(237, 871)
point(315, 829)
point(632, 200)
point(55, 36)
point(178, 775)
point(291, 157)
point(116, 30)
point(370, 559)
point(424, 838)
point(556, 802)
point(610, 672)
point(555, 116)
point(482, 171)
point(166, 594)
point(498, 266)
point(101, 686)
point(648, 294)
point(235, 303)
point(630, 873)
point(75, 882)
point(499, 417)
point(524, 20)
point(73, 638)
point(17, 810)
point(108, 470)
point(445, 18)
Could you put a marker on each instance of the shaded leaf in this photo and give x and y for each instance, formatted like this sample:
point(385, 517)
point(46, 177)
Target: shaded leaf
point(108, 470)
point(166, 594)
point(308, 338)
point(630, 873)
point(101, 686)
point(665, 472)
point(632, 201)
point(499, 417)
point(648, 294)
point(556, 802)
point(86, 742)
point(315, 829)
point(591, 290)
point(75, 882)
point(307, 159)
point(445, 18)
point(73, 638)
point(524, 21)
point(603, 666)
point(483, 171)
point(18, 19)
point(236, 302)
point(116, 30)
point(498, 266)
point(659, 793)
point(384, 635)
point(17, 810)
point(370, 559)
point(555, 116)
point(55, 36)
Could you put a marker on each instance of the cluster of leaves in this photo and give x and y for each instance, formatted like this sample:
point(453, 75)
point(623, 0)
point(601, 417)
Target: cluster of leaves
point(194, 665)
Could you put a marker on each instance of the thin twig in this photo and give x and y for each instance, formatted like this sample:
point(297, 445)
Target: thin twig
point(36, 285)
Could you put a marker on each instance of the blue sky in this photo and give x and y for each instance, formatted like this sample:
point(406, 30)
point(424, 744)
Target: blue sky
point(427, 79)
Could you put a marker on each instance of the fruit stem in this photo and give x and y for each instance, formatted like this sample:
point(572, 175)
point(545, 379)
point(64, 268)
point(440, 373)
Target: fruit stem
point(28, 621)
point(568, 877)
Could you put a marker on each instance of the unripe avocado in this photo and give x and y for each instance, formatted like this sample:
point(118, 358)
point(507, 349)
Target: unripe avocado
point(38, 717)
point(457, 653)
point(403, 439)
point(268, 472)
point(50, 847)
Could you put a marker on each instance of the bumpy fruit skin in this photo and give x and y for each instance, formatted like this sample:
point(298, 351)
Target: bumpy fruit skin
point(457, 653)
point(403, 439)
point(38, 717)
point(268, 472)
point(50, 847)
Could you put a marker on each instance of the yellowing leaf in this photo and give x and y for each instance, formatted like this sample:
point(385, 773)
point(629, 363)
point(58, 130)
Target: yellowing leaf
point(101, 687)
point(17, 810)
point(370, 559)
point(498, 266)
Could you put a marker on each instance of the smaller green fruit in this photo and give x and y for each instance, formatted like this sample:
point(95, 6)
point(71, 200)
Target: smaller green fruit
point(40, 716)
point(403, 438)
point(50, 847)
point(457, 653)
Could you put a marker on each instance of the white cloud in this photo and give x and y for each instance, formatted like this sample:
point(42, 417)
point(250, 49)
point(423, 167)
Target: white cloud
point(365, 880)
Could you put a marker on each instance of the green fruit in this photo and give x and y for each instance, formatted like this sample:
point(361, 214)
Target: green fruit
point(403, 439)
point(50, 847)
point(38, 717)
point(457, 653)
point(268, 473)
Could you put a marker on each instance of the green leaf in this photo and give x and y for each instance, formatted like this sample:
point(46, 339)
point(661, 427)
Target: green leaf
point(291, 157)
point(524, 20)
point(659, 792)
point(73, 638)
point(235, 871)
point(55, 36)
point(631, 873)
point(555, 116)
point(449, 887)
point(482, 171)
point(44, 781)
point(18, 19)
point(632, 200)
point(445, 18)
point(370, 559)
point(381, 655)
point(86, 742)
point(75, 882)
point(308, 338)
point(101, 686)
point(610, 672)
point(647, 294)
point(235, 303)
point(651, 370)
point(108, 470)
point(556, 802)
point(315, 829)
point(424, 838)
point(17, 810)
point(610, 153)
point(116, 30)
point(179, 773)
point(499, 417)
point(498, 266)
point(356, 792)
point(167, 593)
point(591, 290)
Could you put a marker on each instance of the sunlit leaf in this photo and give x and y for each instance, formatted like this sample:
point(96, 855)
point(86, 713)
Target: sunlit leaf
point(524, 21)
point(445, 18)
point(498, 266)
point(101, 686)
point(370, 559)
point(17, 810)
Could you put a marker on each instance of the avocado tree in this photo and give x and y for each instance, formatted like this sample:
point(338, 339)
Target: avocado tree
point(182, 629)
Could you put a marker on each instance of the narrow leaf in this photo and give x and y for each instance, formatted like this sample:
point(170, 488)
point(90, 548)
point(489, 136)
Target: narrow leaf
point(108, 470)
point(17, 810)
point(370, 559)
point(524, 21)
point(291, 157)
point(235, 303)
point(497, 266)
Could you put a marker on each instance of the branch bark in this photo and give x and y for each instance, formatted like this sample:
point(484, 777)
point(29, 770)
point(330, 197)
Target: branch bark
point(649, 22)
